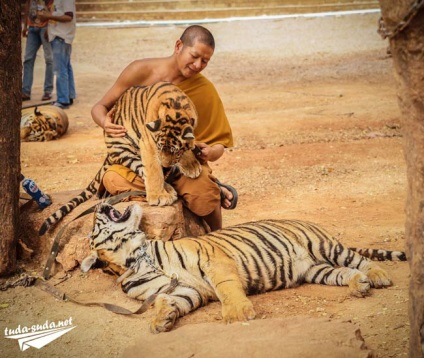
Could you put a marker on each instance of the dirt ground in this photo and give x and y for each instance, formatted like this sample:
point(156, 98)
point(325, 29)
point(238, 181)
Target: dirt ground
point(313, 108)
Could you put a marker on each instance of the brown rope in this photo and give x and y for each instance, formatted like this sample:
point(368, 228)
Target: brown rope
point(27, 281)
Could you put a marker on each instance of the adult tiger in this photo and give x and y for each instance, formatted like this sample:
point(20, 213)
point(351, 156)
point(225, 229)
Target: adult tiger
point(160, 121)
point(39, 125)
point(226, 265)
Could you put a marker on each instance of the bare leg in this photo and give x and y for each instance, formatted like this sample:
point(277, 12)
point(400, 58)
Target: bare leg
point(214, 219)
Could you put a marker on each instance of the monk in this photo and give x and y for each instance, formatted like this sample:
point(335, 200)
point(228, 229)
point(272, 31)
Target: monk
point(204, 195)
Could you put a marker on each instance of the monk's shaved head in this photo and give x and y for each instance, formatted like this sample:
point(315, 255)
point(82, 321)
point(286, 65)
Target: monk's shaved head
point(197, 33)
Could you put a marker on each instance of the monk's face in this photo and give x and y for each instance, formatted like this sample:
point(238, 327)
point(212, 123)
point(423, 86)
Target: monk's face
point(192, 59)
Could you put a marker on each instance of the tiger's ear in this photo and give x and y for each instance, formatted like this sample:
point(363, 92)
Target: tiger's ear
point(188, 134)
point(89, 261)
point(154, 126)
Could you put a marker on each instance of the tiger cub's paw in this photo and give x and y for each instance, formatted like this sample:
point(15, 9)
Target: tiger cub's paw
point(379, 278)
point(239, 311)
point(189, 165)
point(167, 196)
point(359, 285)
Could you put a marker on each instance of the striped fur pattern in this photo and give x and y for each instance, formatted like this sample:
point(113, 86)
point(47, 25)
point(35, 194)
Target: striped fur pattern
point(227, 265)
point(43, 125)
point(160, 122)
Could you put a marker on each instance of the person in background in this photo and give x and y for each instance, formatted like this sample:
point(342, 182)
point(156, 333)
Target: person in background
point(204, 195)
point(61, 30)
point(35, 30)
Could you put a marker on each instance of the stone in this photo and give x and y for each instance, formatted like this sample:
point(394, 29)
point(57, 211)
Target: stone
point(159, 223)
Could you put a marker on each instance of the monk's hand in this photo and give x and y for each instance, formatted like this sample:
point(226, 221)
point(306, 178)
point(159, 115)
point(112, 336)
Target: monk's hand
point(210, 153)
point(112, 129)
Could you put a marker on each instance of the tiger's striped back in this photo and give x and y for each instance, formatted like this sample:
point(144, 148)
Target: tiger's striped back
point(269, 253)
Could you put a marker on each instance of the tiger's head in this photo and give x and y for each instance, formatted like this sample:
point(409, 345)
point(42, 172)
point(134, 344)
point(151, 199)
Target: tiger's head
point(116, 237)
point(173, 130)
point(38, 129)
point(38, 126)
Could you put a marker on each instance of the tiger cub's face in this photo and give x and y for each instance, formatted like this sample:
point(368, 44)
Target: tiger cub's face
point(174, 129)
point(115, 235)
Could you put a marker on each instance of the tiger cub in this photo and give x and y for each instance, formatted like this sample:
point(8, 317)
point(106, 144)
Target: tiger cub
point(228, 264)
point(43, 125)
point(160, 121)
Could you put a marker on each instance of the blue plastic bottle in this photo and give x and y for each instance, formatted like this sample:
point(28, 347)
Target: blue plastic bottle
point(34, 191)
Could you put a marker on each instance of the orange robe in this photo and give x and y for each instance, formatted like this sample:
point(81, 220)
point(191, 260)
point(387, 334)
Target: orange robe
point(212, 127)
point(200, 195)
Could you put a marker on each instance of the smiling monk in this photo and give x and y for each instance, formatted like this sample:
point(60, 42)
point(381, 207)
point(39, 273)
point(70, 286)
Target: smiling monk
point(204, 195)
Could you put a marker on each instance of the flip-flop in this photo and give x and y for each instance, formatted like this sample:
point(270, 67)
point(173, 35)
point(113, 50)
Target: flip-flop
point(223, 197)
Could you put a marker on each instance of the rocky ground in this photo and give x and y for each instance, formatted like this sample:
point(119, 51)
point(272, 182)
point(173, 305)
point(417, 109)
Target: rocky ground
point(313, 107)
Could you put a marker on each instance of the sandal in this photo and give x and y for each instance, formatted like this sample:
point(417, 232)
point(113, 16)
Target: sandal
point(223, 197)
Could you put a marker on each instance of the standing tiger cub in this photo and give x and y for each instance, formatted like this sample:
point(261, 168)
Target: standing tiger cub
point(160, 121)
point(228, 264)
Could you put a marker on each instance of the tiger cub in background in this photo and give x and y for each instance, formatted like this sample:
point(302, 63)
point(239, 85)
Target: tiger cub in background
point(160, 121)
point(228, 264)
point(48, 123)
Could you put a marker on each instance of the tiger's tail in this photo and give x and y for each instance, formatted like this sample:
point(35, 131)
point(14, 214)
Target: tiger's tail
point(64, 210)
point(381, 255)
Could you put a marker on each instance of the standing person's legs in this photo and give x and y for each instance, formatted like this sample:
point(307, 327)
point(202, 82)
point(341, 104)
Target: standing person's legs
point(48, 59)
point(72, 90)
point(32, 45)
point(61, 58)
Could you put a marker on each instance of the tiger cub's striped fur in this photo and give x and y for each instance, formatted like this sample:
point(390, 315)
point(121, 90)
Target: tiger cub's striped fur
point(48, 123)
point(160, 122)
point(226, 265)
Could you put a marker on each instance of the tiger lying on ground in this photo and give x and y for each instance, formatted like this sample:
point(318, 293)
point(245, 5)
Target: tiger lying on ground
point(228, 264)
point(48, 123)
point(160, 122)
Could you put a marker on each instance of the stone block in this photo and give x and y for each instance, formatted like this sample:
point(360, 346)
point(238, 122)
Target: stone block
point(159, 223)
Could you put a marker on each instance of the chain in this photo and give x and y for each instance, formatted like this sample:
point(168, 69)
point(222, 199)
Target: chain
point(144, 256)
point(413, 10)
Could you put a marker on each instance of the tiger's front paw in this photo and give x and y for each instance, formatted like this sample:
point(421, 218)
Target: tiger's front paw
point(164, 323)
point(167, 196)
point(189, 165)
point(359, 285)
point(239, 311)
point(166, 315)
point(191, 170)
